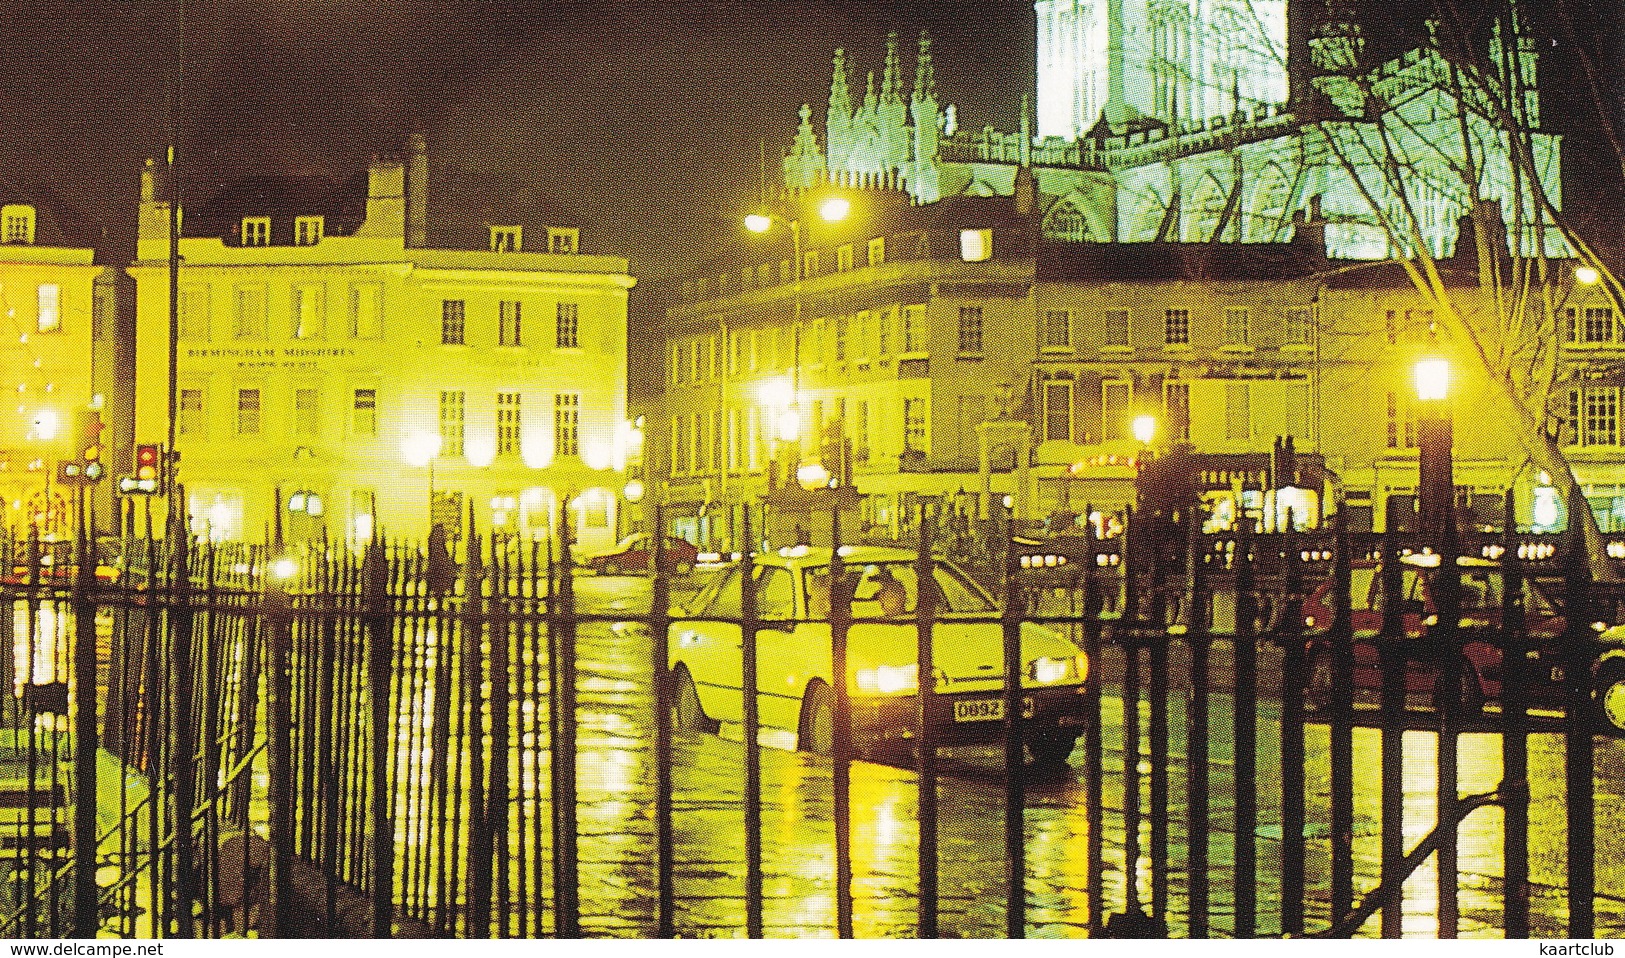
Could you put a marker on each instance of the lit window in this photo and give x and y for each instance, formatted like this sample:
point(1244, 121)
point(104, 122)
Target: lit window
point(1597, 325)
point(970, 330)
point(1058, 410)
point(508, 323)
point(914, 424)
point(1057, 329)
point(367, 311)
point(843, 258)
point(249, 319)
point(1116, 328)
point(1300, 327)
point(507, 424)
point(877, 251)
point(17, 223)
point(309, 306)
point(189, 420)
point(193, 321)
point(1115, 395)
point(1177, 327)
point(1595, 410)
point(451, 423)
point(567, 424)
point(1401, 423)
point(809, 264)
point(914, 328)
point(307, 230)
point(567, 326)
point(364, 413)
point(256, 231)
point(507, 239)
point(451, 322)
point(563, 239)
point(50, 308)
point(975, 246)
point(306, 407)
point(248, 412)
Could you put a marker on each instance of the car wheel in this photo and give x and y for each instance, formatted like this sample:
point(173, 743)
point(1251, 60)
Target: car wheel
point(816, 730)
point(1609, 698)
point(688, 715)
point(609, 568)
point(1050, 748)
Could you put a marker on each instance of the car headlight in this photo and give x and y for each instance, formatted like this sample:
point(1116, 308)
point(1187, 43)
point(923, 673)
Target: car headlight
point(888, 679)
point(1047, 671)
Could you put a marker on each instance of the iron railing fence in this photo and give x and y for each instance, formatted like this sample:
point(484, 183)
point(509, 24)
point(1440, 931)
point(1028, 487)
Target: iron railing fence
point(360, 744)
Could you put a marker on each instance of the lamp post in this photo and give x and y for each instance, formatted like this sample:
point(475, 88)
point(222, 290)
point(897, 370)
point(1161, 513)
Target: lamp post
point(1436, 483)
point(831, 210)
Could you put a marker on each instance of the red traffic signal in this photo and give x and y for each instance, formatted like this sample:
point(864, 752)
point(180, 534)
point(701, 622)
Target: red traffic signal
point(146, 462)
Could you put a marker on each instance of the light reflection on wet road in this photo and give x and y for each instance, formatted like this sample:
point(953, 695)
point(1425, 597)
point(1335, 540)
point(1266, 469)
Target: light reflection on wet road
point(617, 824)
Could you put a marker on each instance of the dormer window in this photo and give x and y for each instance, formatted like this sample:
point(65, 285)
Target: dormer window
point(507, 239)
point(256, 231)
point(17, 223)
point(307, 230)
point(563, 239)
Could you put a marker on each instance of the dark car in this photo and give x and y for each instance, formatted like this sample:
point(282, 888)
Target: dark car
point(1479, 637)
point(635, 553)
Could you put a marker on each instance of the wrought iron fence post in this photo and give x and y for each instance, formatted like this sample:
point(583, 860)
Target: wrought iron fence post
point(279, 716)
point(926, 851)
point(476, 625)
point(660, 670)
point(1515, 735)
point(1449, 704)
point(1015, 756)
point(1196, 748)
point(379, 629)
point(1290, 631)
point(1340, 637)
point(753, 760)
point(1579, 751)
point(180, 697)
point(566, 891)
point(85, 918)
point(1392, 652)
point(1245, 725)
point(1094, 756)
point(840, 622)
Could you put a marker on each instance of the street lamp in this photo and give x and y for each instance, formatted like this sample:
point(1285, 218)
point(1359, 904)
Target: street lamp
point(1436, 483)
point(422, 448)
point(831, 210)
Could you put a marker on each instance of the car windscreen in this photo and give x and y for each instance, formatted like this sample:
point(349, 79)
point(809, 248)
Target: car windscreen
point(886, 590)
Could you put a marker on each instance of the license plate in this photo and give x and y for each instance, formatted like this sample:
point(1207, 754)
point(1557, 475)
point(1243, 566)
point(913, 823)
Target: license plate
point(987, 710)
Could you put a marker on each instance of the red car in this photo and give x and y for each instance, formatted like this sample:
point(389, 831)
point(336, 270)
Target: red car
point(635, 553)
point(1481, 599)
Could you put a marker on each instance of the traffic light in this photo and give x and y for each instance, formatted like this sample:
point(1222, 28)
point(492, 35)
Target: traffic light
point(148, 477)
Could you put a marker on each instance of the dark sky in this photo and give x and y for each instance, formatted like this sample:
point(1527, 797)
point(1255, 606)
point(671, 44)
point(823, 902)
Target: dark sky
point(645, 119)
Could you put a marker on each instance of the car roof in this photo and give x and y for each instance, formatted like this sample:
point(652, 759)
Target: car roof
point(808, 556)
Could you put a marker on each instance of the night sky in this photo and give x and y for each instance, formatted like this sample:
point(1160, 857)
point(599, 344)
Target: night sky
point(643, 120)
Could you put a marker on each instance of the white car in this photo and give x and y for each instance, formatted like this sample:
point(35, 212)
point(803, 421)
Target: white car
point(794, 655)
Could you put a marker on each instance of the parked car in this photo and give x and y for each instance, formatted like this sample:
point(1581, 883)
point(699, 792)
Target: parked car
point(797, 695)
point(1482, 591)
point(635, 553)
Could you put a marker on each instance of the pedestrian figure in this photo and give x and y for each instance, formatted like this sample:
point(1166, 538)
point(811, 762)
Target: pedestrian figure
point(442, 570)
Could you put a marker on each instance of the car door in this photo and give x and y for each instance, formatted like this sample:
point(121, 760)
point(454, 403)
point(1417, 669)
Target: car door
point(711, 646)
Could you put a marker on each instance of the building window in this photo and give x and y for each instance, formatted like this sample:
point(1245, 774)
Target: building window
point(843, 258)
point(249, 319)
point(565, 240)
point(975, 246)
point(309, 307)
point(507, 239)
point(1401, 423)
point(1176, 329)
point(1237, 321)
point(451, 322)
point(364, 413)
point(50, 308)
point(17, 223)
point(1238, 415)
point(1300, 327)
point(248, 412)
point(860, 432)
point(567, 424)
point(451, 423)
point(1116, 329)
point(306, 407)
point(877, 251)
point(1057, 333)
point(1058, 410)
point(189, 413)
point(256, 231)
point(1176, 404)
point(567, 326)
point(307, 230)
point(1596, 412)
point(914, 328)
point(193, 321)
point(1115, 396)
point(843, 325)
point(1597, 325)
point(509, 328)
point(970, 329)
point(507, 424)
point(809, 264)
point(367, 311)
point(914, 424)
